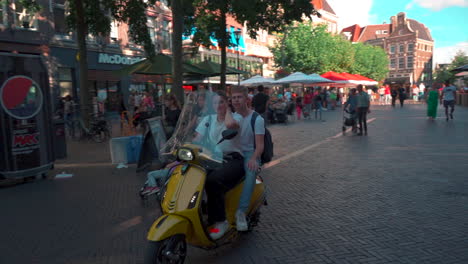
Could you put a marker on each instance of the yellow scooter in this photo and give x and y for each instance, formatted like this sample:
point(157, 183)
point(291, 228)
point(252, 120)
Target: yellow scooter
point(184, 207)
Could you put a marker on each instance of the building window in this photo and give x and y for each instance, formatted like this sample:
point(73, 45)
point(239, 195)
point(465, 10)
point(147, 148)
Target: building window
point(402, 48)
point(114, 33)
point(410, 47)
point(165, 36)
point(60, 23)
point(392, 63)
point(401, 63)
point(392, 49)
point(23, 18)
point(65, 81)
point(409, 62)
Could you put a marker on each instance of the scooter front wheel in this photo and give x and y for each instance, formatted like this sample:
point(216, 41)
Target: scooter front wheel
point(169, 250)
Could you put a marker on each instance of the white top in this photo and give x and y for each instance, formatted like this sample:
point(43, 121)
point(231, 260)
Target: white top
point(214, 134)
point(247, 136)
point(369, 91)
point(449, 93)
point(422, 87)
point(382, 90)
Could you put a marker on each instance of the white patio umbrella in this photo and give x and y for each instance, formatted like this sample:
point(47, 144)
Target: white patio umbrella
point(257, 80)
point(299, 77)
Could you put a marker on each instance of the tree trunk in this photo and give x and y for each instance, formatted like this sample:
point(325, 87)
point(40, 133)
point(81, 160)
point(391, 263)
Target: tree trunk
point(177, 30)
point(81, 30)
point(223, 46)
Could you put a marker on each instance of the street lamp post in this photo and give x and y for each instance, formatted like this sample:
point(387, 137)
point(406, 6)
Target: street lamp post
point(238, 34)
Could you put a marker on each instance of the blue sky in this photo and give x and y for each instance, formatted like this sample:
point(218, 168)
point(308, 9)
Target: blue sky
point(446, 19)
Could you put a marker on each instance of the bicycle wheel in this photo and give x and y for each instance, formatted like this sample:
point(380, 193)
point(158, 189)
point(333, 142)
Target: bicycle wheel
point(98, 135)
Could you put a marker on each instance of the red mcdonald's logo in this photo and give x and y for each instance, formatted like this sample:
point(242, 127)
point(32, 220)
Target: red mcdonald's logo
point(26, 140)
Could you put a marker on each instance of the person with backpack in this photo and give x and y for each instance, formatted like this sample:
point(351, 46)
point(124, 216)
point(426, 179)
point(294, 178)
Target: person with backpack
point(260, 101)
point(253, 135)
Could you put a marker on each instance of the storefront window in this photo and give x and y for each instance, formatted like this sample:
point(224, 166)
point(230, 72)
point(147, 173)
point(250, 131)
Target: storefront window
point(65, 81)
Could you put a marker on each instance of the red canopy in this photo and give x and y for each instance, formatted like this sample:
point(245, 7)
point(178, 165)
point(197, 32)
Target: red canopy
point(334, 76)
point(364, 78)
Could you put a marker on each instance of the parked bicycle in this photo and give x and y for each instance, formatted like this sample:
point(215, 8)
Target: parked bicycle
point(99, 130)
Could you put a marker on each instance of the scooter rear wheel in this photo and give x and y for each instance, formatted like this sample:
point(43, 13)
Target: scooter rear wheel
point(169, 250)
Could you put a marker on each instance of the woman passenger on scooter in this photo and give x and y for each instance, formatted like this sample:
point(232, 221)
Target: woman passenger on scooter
point(221, 180)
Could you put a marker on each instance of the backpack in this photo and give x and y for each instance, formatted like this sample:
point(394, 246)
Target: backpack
point(267, 154)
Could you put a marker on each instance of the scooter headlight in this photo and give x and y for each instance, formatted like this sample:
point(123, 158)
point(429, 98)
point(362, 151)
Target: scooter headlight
point(185, 154)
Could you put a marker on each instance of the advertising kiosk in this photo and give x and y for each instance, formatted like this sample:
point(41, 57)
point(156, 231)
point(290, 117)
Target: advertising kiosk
point(26, 131)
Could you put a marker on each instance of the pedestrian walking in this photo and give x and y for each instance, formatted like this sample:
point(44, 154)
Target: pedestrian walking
point(448, 96)
point(371, 94)
point(333, 98)
point(68, 105)
point(381, 95)
point(307, 104)
point(402, 96)
point(432, 103)
point(350, 105)
point(415, 93)
point(388, 96)
point(260, 101)
point(324, 98)
point(394, 94)
point(362, 108)
point(148, 102)
point(299, 107)
point(318, 103)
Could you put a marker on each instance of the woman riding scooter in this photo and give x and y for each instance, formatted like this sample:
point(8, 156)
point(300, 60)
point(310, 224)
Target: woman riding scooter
point(211, 161)
point(221, 180)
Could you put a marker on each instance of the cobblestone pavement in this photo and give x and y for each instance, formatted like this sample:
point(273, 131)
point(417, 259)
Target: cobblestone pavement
point(399, 195)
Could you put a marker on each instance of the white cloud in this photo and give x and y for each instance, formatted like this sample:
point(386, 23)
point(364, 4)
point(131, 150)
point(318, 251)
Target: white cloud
point(352, 12)
point(437, 5)
point(446, 54)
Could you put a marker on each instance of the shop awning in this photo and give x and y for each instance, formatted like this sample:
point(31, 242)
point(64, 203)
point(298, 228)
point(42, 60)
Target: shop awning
point(257, 80)
point(397, 80)
point(299, 77)
point(161, 64)
point(336, 77)
point(214, 69)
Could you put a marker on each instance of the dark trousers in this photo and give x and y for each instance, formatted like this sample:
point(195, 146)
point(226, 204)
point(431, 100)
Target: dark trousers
point(402, 102)
point(362, 114)
point(220, 181)
point(393, 100)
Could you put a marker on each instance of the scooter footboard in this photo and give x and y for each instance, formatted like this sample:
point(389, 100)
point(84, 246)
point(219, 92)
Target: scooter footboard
point(169, 225)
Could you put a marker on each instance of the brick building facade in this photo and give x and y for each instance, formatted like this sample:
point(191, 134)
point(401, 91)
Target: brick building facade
point(408, 44)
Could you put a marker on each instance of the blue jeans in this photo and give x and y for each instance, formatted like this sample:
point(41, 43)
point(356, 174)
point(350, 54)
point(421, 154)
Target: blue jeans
point(249, 183)
point(154, 175)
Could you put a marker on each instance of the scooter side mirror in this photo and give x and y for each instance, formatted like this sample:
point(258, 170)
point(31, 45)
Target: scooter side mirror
point(228, 134)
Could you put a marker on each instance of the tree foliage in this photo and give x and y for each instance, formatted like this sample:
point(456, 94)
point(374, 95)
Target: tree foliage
point(311, 49)
point(210, 19)
point(445, 74)
point(98, 15)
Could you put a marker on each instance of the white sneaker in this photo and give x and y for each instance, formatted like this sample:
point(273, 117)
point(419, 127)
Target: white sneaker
point(241, 221)
point(219, 230)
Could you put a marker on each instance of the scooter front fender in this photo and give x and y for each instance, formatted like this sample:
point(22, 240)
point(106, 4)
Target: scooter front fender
point(169, 225)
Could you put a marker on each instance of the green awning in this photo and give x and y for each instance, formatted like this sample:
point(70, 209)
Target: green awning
point(215, 68)
point(161, 64)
